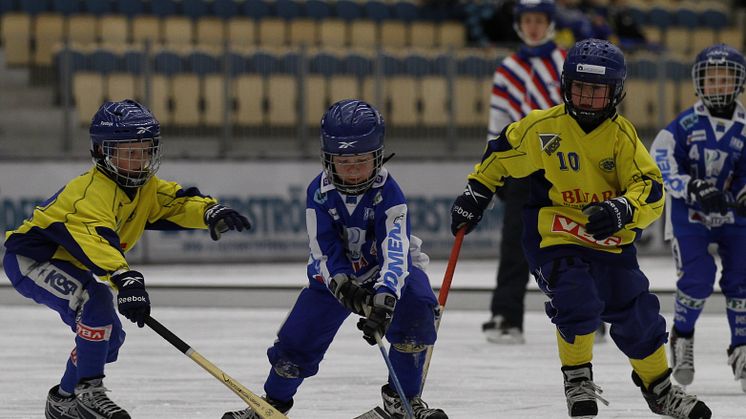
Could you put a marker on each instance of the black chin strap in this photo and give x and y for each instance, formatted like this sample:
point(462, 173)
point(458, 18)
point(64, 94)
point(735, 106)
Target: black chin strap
point(387, 158)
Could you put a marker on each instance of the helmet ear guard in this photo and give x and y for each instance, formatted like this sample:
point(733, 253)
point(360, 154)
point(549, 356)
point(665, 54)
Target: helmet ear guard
point(351, 128)
point(594, 61)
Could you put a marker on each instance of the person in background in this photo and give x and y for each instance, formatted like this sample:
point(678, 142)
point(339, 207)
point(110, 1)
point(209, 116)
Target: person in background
point(524, 81)
point(700, 154)
point(70, 254)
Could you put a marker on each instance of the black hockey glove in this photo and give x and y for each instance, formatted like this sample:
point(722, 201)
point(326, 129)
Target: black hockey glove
point(220, 219)
point(354, 297)
point(379, 315)
point(709, 198)
point(741, 205)
point(468, 208)
point(607, 217)
point(132, 299)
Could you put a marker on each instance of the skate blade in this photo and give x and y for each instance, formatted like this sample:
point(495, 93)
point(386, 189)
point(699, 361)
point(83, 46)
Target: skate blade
point(377, 413)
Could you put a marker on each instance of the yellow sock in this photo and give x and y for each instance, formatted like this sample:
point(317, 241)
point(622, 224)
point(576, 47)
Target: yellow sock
point(578, 353)
point(651, 367)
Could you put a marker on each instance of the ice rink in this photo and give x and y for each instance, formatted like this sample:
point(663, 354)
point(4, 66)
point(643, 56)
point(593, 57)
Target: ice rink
point(469, 378)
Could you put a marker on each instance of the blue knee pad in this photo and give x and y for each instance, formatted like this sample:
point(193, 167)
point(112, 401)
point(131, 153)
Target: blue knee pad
point(414, 316)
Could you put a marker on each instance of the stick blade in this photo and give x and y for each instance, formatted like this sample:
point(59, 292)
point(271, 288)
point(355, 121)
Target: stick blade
point(377, 413)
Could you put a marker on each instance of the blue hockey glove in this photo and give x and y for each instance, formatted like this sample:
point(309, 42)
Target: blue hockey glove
point(709, 198)
point(468, 208)
point(132, 300)
point(607, 217)
point(380, 312)
point(220, 219)
point(354, 297)
point(741, 205)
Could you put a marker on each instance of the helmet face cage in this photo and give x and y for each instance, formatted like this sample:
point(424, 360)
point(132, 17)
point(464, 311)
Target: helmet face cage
point(718, 76)
point(336, 171)
point(131, 162)
point(353, 129)
point(595, 62)
point(537, 6)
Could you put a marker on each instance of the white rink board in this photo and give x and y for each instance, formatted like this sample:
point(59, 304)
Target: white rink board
point(273, 195)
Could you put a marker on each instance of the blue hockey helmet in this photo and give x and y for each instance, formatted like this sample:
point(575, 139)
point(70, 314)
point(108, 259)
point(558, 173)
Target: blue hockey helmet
point(594, 61)
point(536, 6)
point(723, 89)
point(351, 128)
point(125, 142)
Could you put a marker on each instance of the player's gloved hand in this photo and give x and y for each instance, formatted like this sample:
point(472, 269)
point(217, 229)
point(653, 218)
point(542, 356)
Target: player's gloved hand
point(354, 297)
point(468, 207)
point(741, 205)
point(607, 217)
point(378, 316)
point(132, 300)
point(220, 219)
point(709, 198)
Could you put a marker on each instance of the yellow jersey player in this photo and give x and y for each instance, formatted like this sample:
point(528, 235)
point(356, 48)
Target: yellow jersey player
point(71, 252)
point(593, 188)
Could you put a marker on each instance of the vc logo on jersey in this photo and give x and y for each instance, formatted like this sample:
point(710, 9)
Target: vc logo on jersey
point(607, 165)
point(549, 143)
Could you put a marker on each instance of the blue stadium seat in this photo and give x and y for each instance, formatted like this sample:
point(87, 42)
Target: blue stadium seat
point(65, 7)
point(318, 9)
point(405, 11)
point(237, 63)
point(358, 65)
point(390, 65)
point(287, 9)
point(475, 67)
point(104, 61)
point(639, 16)
point(714, 19)
point(677, 70)
point(225, 9)
point(440, 64)
point(33, 7)
point(133, 62)
point(163, 8)
point(686, 18)
point(417, 65)
point(195, 9)
point(288, 63)
point(377, 11)
point(325, 64)
point(77, 60)
point(201, 63)
point(263, 63)
point(349, 10)
point(257, 9)
point(167, 63)
point(660, 17)
point(130, 7)
point(98, 7)
point(8, 6)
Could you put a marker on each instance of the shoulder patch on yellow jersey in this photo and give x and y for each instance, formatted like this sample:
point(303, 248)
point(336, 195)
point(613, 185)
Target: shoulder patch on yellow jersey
point(549, 142)
point(607, 165)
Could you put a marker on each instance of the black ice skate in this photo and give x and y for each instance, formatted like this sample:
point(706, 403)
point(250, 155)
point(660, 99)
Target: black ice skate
point(498, 330)
point(667, 399)
point(249, 413)
point(581, 391)
point(94, 404)
point(737, 362)
point(682, 357)
point(393, 406)
point(60, 407)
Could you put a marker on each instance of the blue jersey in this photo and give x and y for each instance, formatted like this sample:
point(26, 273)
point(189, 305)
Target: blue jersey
point(700, 146)
point(366, 236)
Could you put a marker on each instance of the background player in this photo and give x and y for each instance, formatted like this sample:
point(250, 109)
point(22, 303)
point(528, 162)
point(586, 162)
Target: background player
point(700, 156)
point(363, 261)
point(524, 81)
point(70, 253)
point(593, 187)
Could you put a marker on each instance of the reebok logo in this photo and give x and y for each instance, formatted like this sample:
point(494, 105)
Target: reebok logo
point(346, 144)
point(143, 130)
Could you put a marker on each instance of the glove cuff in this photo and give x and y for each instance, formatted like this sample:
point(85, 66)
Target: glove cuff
point(128, 279)
point(210, 212)
point(481, 194)
point(384, 299)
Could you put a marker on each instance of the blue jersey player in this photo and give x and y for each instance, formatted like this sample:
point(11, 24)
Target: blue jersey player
point(71, 252)
point(363, 261)
point(594, 187)
point(700, 154)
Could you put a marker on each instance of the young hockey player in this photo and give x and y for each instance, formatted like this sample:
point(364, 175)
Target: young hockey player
point(593, 188)
point(363, 261)
point(71, 252)
point(700, 156)
point(524, 81)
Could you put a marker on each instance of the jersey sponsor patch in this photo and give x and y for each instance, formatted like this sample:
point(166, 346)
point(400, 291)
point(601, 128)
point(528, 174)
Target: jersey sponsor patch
point(93, 334)
point(607, 165)
point(562, 224)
